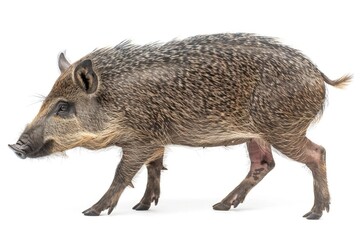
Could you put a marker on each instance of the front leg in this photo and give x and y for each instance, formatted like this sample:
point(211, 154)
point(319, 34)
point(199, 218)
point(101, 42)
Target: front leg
point(132, 160)
point(152, 192)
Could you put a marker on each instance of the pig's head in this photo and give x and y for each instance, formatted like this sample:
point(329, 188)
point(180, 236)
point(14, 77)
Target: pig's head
point(70, 116)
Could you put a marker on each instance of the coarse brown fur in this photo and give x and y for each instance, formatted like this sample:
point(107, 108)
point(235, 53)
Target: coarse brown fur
point(203, 91)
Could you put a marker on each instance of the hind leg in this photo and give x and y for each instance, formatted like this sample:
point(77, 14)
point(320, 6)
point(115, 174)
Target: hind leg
point(152, 192)
point(313, 156)
point(262, 163)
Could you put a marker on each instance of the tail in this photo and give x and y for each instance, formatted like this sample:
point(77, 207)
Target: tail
point(339, 83)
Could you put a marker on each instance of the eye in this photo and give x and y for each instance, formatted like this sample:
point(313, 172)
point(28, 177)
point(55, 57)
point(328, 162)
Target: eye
point(63, 109)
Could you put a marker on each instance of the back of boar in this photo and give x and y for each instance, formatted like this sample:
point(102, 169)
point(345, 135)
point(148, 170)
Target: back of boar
point(210, 90)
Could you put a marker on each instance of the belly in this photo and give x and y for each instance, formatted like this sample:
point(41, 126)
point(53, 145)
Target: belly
point(215, 139)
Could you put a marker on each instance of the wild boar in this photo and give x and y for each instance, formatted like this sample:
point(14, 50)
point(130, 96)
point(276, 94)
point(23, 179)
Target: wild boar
point(203, 91)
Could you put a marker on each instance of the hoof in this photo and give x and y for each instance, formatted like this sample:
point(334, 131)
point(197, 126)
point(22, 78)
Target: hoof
point(312, 216)
point(141, 207)
point(91, 212)
point(110, 210)
point(221, 207)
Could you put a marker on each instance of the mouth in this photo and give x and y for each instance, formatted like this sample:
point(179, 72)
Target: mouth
point(23, 150)
point(17, 150)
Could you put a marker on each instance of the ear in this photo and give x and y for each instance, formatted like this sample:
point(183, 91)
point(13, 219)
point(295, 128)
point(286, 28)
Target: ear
point(85, 77)
point(63, 63)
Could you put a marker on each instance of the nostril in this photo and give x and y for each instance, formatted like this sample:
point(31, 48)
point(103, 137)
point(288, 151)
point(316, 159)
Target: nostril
point(21, 155)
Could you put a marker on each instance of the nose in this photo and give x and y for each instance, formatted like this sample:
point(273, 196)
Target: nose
point(18, 149)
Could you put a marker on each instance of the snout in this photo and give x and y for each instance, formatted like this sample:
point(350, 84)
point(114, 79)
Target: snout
point(31, 143)
point(20, 149)
point(24, 148)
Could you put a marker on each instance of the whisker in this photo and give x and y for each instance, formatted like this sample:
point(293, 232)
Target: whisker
point(39, 99)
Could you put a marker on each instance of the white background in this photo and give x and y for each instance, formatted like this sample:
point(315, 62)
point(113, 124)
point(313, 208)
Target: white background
point(44, 198)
